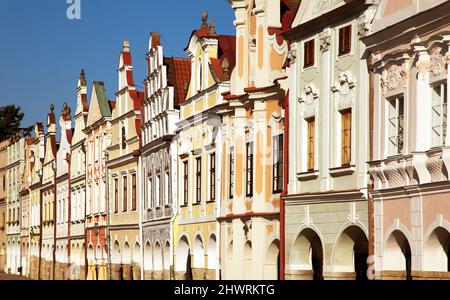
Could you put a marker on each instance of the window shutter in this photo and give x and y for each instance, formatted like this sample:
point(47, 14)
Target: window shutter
point(346, 137)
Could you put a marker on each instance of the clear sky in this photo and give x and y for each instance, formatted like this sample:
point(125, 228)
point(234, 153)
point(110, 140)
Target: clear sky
point(42, 51)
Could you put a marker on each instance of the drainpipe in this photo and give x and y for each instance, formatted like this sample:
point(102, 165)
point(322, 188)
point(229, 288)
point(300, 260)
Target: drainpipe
point(370, 185)
point(20, 234)
point(108, 215)
point(141, 211)
point(285, 189)
point(29, 225)
point(69, 212)
point(40, 173)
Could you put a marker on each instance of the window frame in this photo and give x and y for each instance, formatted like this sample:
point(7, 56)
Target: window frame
point(346, 117)
point(309, 55)
point(186, 183)
point(198, 180)
point(345, 45)
point(310, 143)
point(278, 163)
point(212, 177)
point(125, 193)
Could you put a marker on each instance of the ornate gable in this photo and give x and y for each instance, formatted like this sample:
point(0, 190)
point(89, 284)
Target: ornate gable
point(311, 9)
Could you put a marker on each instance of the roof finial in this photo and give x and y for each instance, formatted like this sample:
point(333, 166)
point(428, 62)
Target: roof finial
point(212, 27)
point(52, 107)
point(83, 78)
point(126, 46)
point(205, 20)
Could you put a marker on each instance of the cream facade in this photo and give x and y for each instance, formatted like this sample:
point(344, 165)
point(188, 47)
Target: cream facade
point(196, 252)
point(77, 179)
point(48, 204)
point(253, 131)
point(409, 164)
point(3, 163)
point(63, 199)
point(124, 174)
point(327, 228)
point(14, 173)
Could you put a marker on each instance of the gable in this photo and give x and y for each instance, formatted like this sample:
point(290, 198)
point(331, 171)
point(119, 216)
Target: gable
point(99, 104)
point(311, 9)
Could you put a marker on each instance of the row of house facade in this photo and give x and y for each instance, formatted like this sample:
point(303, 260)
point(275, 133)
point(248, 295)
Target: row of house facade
point(312, 144)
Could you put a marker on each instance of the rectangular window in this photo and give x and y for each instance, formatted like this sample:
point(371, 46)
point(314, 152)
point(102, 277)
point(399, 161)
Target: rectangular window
point(185, 182)
point(212, 176)
point(345, 39)
point(198, 182)
point(346, 137)
point(124, 138)
point(309, 54)
point(133, 192)
point(439, 114)
point(116, 196)
point(231, 182)
point(150, 193)
point(125, 194)
point(157, 191)
point(311, 127)
point(249, 165)
point(395, 125)
point(278, 163)
point(167, 190)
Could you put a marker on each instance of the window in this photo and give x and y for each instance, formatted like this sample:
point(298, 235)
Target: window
point(133, 192)
point(150, 193)
point(345, 38)
point(278, 163)
point(439, 114)
point(167, 191)
point(185, 182)
point(124, 138)
point(249, 179)
point(116, 196)
point(199, 74)
point(395, 125)
point(311, 125)
point(157, 191)
point(346, 137)
point(231, 184)
point(198, 176)
point(125, 192)
point(212, 176)
point(309, 54)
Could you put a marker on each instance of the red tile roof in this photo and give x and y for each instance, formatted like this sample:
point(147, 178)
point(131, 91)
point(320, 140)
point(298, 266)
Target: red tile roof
point(178, 76)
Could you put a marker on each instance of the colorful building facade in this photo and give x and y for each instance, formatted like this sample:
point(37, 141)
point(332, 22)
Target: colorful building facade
point(164, 91)
point(195, 227)
point(409, 162)
point(98, 139)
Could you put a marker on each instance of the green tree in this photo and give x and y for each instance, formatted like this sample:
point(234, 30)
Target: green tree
point(10, 118)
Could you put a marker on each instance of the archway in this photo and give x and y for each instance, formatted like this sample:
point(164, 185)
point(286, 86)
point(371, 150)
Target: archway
point(248, 270)
point(158, 264)
point(271, 265)
point(115, 257)
point(183, 258)
point(148, 260)
point(307, 253)
point(397, 254)
point(351, 252)
point(199, 253)
point(167, 257)
point(126, 260)
point(137, 254)
point(212, 253)
point(229, 262)
point(437, 251)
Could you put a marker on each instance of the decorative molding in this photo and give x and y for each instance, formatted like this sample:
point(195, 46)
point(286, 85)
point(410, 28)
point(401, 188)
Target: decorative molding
point(438, 61)
point(325, 41)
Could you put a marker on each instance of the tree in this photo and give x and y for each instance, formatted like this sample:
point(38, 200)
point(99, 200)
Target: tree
point(10, 118)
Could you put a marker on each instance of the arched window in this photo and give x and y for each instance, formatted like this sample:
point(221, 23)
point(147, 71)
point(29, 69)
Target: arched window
point(124, 137)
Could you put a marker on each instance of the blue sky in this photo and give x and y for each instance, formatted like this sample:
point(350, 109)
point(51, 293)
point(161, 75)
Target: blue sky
point(43, 51)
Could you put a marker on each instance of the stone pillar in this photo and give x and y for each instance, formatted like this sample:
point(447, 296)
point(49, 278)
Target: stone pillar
point(116, 272)
point(127, 272)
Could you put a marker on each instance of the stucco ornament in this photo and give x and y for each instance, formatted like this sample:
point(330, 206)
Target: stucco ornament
point(394, 76)
point(363, 26)
point(324, 41)
point(324, 4)
point(438, 62)
point(292, 55)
